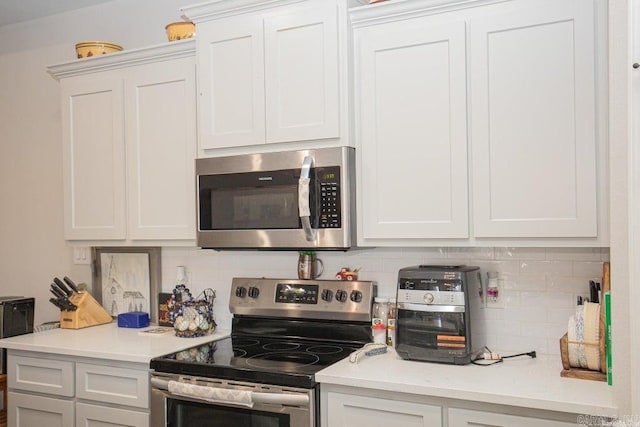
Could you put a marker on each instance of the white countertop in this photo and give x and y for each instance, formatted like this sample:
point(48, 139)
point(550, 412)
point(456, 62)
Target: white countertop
point(524, 382)
point(107, 342)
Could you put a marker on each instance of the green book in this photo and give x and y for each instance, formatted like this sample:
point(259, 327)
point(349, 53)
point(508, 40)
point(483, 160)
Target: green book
point(607, 325)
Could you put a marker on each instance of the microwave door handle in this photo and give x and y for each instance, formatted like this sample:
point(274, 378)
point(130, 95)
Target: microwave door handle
point(303, 199)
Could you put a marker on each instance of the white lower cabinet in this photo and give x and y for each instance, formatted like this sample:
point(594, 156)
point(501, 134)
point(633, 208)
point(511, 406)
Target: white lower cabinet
point(102, 416)
point(467, 418)
point(350, 410)
point(347, 406)
point(27, 410)
point(46, 390)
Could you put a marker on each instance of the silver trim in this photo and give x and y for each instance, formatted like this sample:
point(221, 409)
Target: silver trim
point(432, 308)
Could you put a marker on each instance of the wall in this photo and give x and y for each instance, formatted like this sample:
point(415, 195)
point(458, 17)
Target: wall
point(540, 285)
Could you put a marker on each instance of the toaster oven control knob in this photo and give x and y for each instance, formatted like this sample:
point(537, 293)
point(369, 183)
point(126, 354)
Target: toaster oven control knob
point(355, 296)
point(428, 298)
point(241, 291)
point(254, 292)
point(341, 295)
point(327, 295)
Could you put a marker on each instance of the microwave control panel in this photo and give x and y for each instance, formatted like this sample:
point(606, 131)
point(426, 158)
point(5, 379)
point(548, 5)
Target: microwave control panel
point(330, 213)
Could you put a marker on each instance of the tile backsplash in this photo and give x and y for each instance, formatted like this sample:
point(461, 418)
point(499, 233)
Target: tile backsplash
point(540, 285)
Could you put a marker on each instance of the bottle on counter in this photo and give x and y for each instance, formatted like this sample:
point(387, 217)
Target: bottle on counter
point(379, 320)
point(391, 323)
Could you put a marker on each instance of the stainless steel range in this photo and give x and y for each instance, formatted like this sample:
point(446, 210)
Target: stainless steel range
point(283, 332)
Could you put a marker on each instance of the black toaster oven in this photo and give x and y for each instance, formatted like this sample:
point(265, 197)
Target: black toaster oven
point(436, 305)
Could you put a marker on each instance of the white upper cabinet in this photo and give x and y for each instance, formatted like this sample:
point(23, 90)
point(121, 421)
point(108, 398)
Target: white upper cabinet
point(412, 129)
point(532, 122)
point(477, 123)
point(129, 137)
point(270, 72)
point(93, 158)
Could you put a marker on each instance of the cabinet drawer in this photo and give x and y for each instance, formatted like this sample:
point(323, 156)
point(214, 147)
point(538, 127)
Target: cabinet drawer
point(128, 387)
point(41, 375)
point(27, 410)
point(101, 416)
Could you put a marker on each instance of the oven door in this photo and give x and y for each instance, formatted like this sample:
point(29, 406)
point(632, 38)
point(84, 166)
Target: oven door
point(432, 333)
point(178, 401)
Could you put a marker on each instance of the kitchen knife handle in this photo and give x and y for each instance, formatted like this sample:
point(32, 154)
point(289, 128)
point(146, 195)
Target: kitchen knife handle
point(56, 303)
point(71, 284)
point(63, 287)
point(56, 292)
point(61, 291)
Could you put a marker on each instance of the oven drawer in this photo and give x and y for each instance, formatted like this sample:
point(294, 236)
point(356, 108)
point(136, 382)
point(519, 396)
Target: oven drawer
point(48, 376)
point(94, 415)
point(121, 386)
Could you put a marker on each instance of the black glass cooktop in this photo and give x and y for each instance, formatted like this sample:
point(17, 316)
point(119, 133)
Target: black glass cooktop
point(278, 361)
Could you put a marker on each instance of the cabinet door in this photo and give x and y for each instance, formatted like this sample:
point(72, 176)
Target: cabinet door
point(301, 74)
point(102, 416)
point(411, 129)
point(161, 148)
point(34, 374)
point(93, 162)
point(231, 82)
point(532, 121)
point(467, 418)
point(351, 410)
point(112, 385)
point(26, 410)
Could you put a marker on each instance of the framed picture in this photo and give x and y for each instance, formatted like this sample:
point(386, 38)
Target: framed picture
point(127, 279)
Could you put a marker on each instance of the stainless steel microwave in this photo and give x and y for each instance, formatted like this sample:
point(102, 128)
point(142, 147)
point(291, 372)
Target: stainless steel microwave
point(292, 200)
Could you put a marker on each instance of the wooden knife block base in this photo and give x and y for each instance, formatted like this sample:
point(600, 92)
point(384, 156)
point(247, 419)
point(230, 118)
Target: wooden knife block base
point(88, 313)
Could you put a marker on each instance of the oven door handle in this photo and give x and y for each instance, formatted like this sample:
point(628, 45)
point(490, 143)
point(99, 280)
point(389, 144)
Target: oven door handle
point(255, 397)
point(431, 308)
point(303, 199)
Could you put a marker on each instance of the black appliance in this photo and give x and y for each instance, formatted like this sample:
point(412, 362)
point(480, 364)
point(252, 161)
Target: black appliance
point(436, 304)
point(283, 332)
point(16, 318)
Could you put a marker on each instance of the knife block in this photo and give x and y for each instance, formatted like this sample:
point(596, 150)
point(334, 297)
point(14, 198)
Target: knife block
point(88, 313)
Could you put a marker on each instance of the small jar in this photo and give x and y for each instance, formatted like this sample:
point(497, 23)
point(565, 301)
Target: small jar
point(391, 323)
point(379, 320)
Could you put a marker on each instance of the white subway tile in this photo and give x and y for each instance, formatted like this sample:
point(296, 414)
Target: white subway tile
point(587, 269)
point(524, 283)
point(520, 253)
point(567, 284)
point(547, 268)
point(470, 253)
point(574, 254)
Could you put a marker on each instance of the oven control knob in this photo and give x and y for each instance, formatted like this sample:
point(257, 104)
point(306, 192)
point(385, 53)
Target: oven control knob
point(241, 291)
point(428, 298)
point(254, 292)
point(327, 295)
point(341, 295)
point(355, 296)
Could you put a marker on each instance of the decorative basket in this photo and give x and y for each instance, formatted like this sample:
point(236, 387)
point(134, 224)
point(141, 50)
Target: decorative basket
point(192, 317)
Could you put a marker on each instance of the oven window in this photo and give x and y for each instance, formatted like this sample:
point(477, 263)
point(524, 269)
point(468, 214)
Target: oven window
point(182, 413)
point(252, 201)
point(435, 330)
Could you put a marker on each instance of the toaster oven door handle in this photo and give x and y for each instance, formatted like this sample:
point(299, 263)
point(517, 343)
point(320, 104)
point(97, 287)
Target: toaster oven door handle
point(303, 199)
point(431, 308)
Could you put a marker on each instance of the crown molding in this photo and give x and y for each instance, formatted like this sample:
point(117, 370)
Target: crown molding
point(224, 8)
point(125, 58)
point(395, 10)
